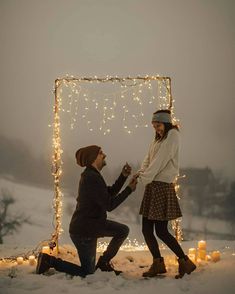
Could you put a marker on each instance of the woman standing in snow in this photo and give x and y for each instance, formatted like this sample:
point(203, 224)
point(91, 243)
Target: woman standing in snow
point(160, 204)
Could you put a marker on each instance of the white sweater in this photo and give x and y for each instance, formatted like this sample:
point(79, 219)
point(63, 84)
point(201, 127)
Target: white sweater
point(162, 161)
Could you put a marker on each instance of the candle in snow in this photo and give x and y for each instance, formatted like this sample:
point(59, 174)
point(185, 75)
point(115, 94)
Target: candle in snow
point(32, 260)
point(192, 251)
point(192, 257)
point(202, 245)
point(201, 254)
point(46, 249)
point(215, 256)
point(19, 260)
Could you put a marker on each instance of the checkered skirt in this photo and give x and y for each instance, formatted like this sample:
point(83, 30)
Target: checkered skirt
point(160, 202)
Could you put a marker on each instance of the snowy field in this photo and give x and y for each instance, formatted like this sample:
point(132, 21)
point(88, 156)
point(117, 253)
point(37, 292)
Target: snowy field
point(209, 277)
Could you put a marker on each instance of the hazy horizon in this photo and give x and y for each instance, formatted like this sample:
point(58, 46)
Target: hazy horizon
point(190, 41)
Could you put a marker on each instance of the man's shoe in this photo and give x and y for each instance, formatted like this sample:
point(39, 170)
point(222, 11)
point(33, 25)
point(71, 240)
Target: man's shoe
point(44, 263)
point(106, 266)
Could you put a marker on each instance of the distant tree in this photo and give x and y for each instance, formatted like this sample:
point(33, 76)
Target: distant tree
point(9, 224)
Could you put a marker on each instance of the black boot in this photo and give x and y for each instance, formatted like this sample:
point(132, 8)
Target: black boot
point(106, 266)
point(45, 262)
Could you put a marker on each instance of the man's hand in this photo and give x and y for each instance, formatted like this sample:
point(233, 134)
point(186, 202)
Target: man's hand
point(137, 175)
point(133, 183)
point(126, 170)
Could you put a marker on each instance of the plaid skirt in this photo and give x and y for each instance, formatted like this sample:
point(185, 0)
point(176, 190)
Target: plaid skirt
point(160, 202)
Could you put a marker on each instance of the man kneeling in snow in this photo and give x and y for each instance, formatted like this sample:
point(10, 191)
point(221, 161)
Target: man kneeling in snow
point(89, 220)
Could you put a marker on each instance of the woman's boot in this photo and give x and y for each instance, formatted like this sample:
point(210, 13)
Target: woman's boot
point(186, 266)
point(158, 267)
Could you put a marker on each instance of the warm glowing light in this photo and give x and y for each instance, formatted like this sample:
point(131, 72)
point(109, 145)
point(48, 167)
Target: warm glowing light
point(215, 256)
point(77, 101)
point(202, 245)
point(19, 260)
point(32, 260)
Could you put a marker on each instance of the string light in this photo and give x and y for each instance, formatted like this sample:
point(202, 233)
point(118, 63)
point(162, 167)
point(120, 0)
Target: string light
point(134, 87)
point(30, 257)
point(57, 167)
point(77, 95)
point(176, 224)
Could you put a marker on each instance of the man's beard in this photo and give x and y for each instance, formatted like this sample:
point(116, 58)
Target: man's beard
point(103, 164)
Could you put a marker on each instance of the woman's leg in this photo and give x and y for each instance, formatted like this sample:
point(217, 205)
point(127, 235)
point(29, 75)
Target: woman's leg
point(163, 233)
point(151, 241)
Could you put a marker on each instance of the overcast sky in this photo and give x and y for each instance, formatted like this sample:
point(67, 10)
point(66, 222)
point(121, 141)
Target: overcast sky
point(190, 41)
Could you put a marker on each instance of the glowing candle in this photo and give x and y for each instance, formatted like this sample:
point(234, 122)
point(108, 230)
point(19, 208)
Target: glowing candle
point(192, 251)
point(19, 260)
point(32, 260)
point(46, 249)
point(192, 257)
point(199, 260)
point(208, 258)
point(215, 256)
point(201, 254)
point(202, 245)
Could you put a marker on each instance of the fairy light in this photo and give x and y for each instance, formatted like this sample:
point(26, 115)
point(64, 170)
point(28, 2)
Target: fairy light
point(130, 245)
point(176, 224)
point(57, 168)
point(104, 118)
point(30, 257)
point(165, 102)
point(108, 111)
point(86, 99)
point(125, 127)
point(76, 101)
point(114, 104)
point(150, 88)
point(57, 150)
point(136, 87)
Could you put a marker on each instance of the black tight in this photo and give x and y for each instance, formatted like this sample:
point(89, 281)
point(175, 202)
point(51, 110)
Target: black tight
point(163, 233)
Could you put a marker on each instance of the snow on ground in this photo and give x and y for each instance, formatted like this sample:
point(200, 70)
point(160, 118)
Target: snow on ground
point(209, 277)
point(37, 203)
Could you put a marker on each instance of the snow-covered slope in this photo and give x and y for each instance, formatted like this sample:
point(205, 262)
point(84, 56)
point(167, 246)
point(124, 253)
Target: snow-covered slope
point(37, 203)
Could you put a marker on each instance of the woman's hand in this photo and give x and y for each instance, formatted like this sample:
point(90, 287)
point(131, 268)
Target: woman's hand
point(133, 183)
point(137, 175)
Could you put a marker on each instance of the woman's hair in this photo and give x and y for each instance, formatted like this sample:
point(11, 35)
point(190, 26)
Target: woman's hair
point(168, 126)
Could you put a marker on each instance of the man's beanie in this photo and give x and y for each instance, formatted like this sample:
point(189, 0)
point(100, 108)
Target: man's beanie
point(86, 156)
